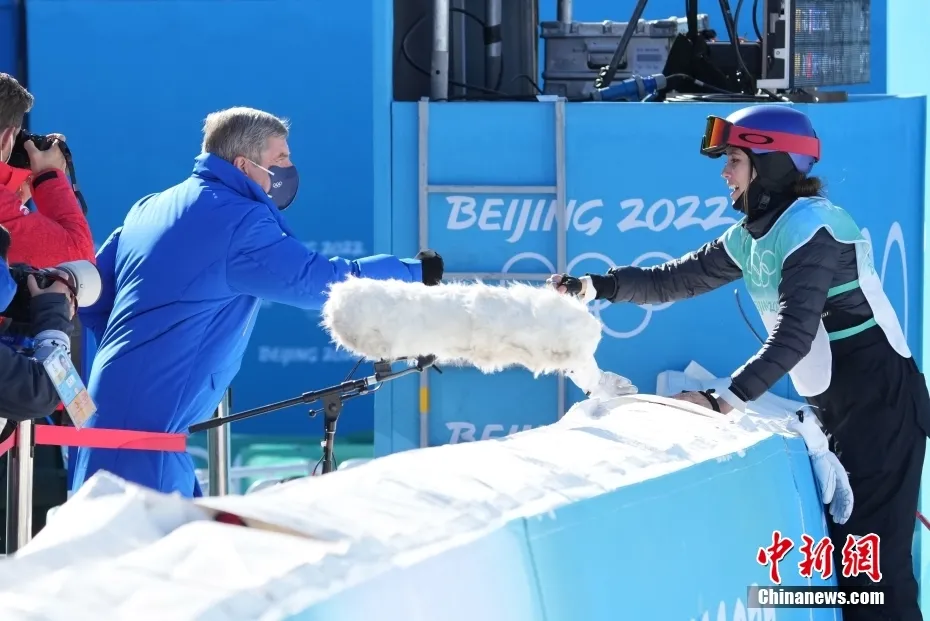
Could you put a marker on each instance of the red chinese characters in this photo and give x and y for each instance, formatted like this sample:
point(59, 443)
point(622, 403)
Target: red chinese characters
point(817, 558)
point(773, 554)
point(861, 556)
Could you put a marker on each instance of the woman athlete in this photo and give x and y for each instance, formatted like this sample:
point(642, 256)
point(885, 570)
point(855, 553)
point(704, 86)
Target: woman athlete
point(811, 275)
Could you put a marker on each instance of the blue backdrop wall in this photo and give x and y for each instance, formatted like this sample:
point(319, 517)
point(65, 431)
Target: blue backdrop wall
point(637, 192)
point(129, 83)
point(9, 36)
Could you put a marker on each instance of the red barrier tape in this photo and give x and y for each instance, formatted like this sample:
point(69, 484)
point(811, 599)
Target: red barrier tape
point(7, 444)
point(103, 438)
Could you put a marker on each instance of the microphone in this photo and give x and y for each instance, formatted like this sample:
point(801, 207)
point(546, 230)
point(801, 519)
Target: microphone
point(488, 327)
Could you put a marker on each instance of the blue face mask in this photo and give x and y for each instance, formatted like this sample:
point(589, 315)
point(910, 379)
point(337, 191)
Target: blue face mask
point(284, 182)
point(7, 286)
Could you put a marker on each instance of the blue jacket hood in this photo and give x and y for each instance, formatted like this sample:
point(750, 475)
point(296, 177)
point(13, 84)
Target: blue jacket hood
point(212, 169)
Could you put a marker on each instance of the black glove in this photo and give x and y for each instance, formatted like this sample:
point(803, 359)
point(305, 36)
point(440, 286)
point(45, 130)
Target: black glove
point(4, 242)
point(572, 285)
point(432, 267)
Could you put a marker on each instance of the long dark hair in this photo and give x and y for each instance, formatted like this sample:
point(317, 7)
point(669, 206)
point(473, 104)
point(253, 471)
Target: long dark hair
point(808, 186)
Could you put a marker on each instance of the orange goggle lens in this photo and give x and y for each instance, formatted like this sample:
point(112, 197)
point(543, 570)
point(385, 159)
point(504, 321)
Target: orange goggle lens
point(715, 134)
point(720, 133)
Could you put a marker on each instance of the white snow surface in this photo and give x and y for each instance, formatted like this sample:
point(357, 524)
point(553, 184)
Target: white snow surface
point(118, 551)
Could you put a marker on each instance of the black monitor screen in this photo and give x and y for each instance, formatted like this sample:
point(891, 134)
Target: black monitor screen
point(832, 42)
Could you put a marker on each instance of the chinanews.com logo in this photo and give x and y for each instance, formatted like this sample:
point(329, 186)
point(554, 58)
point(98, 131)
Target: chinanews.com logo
point(860, 557)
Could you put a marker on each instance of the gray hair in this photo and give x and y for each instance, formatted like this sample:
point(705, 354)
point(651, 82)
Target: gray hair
point(241, 131)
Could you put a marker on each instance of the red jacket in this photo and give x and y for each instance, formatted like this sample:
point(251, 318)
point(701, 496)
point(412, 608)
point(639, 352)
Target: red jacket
point(56, 232)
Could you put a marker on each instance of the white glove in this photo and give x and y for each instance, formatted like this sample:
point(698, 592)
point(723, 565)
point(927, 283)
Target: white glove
point(611, 385)
point(842, 505)
point(829, 472)
point(598, 384)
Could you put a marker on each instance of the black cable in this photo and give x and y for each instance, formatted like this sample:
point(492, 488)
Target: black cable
point(799, 413)
point(606, 75)
point(739, 8)
point(320, 463)
point(731, 26)
point(671, 79)
point(354, 369)
point(755, 19)
point(487, 91)
point(539, 91)
point(746, 318)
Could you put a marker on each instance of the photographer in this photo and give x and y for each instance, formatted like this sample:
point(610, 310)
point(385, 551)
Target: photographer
point(28, 392)
point(57, 231)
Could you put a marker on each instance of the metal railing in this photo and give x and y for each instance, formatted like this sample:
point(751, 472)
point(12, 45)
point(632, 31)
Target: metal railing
point(19, 487)
point(219, 449)
point(20, 452)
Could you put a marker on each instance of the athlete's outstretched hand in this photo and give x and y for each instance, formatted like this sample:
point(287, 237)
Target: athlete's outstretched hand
point(567, 284)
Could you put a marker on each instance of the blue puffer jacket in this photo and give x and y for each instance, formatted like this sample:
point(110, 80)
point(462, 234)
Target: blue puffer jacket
point(183, 280)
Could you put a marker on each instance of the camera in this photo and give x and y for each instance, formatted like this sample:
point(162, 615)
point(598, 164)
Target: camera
point(19, 158)
point(81, 277)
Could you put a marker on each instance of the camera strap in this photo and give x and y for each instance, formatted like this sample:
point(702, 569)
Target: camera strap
point(66, 151)
point(74, 186)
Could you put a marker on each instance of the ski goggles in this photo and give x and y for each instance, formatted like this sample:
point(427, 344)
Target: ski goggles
point(720, 134)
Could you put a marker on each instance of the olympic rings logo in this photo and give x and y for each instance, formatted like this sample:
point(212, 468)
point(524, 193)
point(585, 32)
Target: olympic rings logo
point(762, 268)
point(895, 238)
point(599, 305)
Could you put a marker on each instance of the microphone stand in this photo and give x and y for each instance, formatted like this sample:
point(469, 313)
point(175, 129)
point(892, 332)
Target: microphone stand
point(332, 399)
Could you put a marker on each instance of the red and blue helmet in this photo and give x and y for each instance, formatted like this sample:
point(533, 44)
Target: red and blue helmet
point(764, 129)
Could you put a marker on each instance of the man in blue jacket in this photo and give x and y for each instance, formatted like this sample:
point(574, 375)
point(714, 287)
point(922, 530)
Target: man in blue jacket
point(183, 279)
